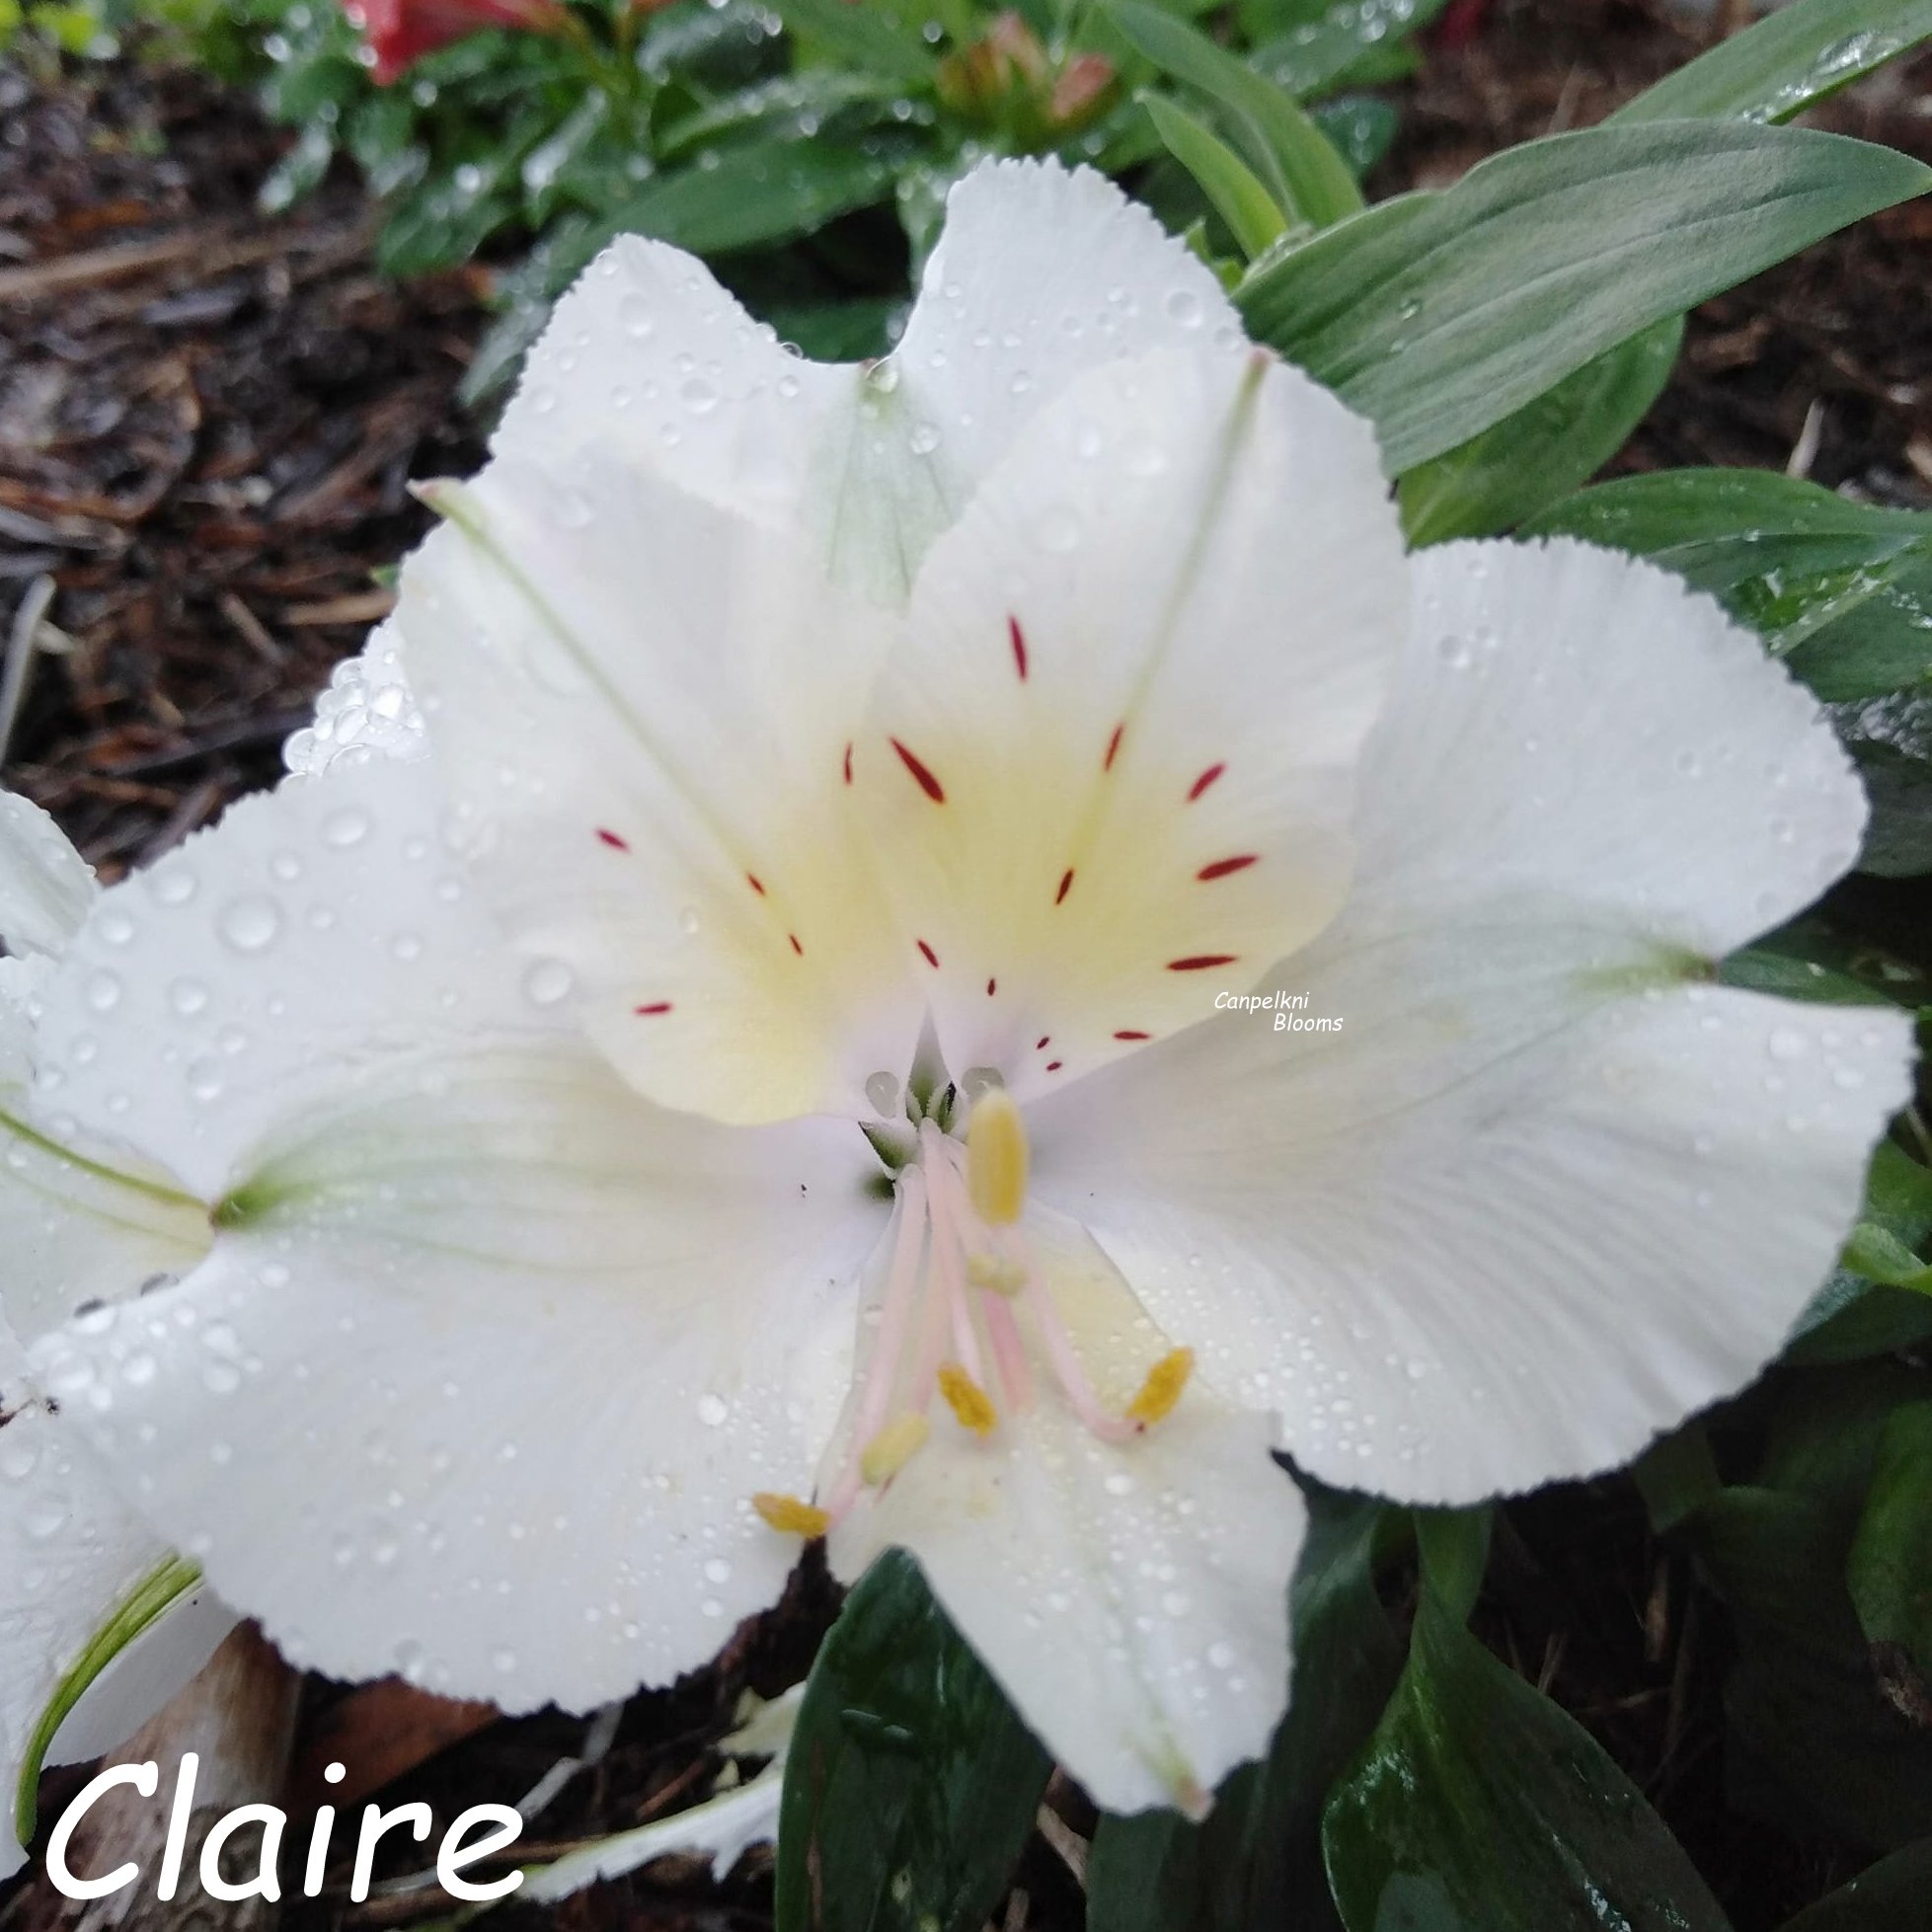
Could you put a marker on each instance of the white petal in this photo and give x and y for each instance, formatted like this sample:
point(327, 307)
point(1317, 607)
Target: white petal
point(647, 705)
point(314, 929)
point(1540, 1197)
point(1114, 763)
point(367, 710)
point(70, 1553)
point(480, 1379)
point(82, 1216)
point(1575, 729)
point(1130, 1599)
point(1040, 273)
point(45, 886)
point(490, 1353)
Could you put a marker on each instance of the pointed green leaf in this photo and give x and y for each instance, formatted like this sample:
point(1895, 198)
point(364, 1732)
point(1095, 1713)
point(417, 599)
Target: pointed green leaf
point(1250, 212)
point(1291, 155)
point(1788, 62)
point(1812, 1741)
point(1546, 449)
point(1891, 1566)
point(1439, 315)
point(868, 38)
point(1325, 49)
point(1884, 1897)
point(911, 1785)
point(1480, 1807)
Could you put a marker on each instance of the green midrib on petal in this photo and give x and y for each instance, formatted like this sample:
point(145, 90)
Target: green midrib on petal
point(155, 1191)
point(139, 1610)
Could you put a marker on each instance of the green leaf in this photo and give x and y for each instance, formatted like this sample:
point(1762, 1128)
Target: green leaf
point(1439, 315)
point(144, 1606)
point(838, 332)
point(1842, 588)
point(1320, 51)
point(1808, 959)
point(1788, 62)
point(1362, 128)
point(1549, 446)
point(911, 1785)
point(758, 194)
point(1250, 212)
point(1291, 155)
point(1480, 1807)
point(868, 38)
point(1453, 1546)
point(1890, 739)
point(792, 107)
point(1853, 1320)
point(1676, 1476)
point(1257, 1860)
point(1812, 1742)
point(1889, 1572)
point(1884, 1897)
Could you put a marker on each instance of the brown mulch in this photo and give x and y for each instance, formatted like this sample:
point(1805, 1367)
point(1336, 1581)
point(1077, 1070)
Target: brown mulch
point(208, 420)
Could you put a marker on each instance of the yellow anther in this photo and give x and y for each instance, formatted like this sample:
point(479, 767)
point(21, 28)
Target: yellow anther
point(994, 1272)
point(790, 1517)
point(968, 1400)
point(894, 1447)
point(1162, 1388)
point(996, 1157)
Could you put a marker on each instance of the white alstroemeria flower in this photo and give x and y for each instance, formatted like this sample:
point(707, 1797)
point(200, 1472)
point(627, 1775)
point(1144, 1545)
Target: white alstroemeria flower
point(879, 774)
point(81, 1223)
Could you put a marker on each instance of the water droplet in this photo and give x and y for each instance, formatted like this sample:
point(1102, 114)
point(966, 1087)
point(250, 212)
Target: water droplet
point(251, 924)
point(350, 826)
point(548, 981)
point(635, 318)
point(713, 1411)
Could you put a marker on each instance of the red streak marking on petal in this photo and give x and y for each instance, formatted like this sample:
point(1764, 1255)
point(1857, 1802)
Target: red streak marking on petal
point(1128, 1033)
point(1201, 783)
point(848, 764)
point(1053, 1066)
point(1196, 962)
point(1066, 886)
point(656, 1006)
point(992, 987)
point(756, 884)
point(926, 782)
point(1040, 1045)
point(1019, 640)
point(1222, 867)
point(931, 958)
point(611, 839)
point(1113, 747)
point(796, 946)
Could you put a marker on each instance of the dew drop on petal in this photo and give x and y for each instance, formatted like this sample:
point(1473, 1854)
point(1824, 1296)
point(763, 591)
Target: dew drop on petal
point(251, 924)
point(547, 981)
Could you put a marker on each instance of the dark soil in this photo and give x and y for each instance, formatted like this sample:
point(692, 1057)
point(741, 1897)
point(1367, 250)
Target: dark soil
point(208, 420)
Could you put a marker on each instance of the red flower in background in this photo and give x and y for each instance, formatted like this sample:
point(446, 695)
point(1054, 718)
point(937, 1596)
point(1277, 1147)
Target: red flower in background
point(399, 31)
point(1463, 23)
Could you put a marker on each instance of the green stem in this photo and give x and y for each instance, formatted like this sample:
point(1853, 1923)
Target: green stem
point(142, 1608)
